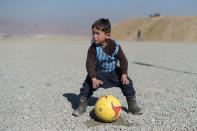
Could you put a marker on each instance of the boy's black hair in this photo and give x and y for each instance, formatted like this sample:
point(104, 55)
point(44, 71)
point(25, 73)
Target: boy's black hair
point(103, 25)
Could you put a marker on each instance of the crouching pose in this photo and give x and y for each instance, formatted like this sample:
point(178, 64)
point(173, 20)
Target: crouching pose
point(103, 70)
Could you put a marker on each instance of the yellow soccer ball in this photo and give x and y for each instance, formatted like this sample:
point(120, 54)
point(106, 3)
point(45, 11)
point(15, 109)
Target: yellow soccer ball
point(107, 108)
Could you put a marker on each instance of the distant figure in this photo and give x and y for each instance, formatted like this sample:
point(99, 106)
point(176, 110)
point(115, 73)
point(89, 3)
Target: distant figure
point(139, 35)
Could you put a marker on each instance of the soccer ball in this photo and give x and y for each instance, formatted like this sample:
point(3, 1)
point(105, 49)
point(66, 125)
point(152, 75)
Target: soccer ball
point(107, 108)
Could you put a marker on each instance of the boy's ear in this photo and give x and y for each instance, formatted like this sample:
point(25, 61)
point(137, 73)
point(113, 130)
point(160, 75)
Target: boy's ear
point(108, 35)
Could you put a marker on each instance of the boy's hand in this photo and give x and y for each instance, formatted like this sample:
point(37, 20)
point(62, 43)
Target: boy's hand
point(124, 79)
point(96, 82)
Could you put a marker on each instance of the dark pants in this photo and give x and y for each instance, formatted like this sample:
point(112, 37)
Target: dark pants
point(112, 79)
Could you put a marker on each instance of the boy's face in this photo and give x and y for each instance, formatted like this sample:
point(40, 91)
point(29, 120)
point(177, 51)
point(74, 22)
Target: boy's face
point(99, 36)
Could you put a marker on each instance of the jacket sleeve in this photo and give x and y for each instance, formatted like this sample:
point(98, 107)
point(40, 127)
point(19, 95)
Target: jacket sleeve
point(91, 62)
point(122, 60)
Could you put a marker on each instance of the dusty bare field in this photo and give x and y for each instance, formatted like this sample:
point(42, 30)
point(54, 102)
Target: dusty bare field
point(40, 80)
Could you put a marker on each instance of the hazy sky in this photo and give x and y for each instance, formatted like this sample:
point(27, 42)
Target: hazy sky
point(81, 13)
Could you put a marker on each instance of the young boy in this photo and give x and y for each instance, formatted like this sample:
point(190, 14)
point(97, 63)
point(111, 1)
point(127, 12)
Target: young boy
point(103, 70)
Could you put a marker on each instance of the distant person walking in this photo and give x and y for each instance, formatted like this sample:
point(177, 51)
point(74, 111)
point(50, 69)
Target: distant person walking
point(139, 35)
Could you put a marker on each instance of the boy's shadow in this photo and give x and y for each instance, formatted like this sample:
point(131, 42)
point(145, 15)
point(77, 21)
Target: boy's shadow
point(74, 100)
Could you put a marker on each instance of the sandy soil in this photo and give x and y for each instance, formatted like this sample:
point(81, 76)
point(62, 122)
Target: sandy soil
point(41, 78)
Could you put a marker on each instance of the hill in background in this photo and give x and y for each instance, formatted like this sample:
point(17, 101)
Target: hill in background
point(163, 28)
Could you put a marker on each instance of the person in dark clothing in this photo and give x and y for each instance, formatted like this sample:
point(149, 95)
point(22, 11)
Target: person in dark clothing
point(103, 70)
point(139, 35)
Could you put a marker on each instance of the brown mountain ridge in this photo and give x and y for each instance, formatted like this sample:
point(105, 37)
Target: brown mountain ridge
point(163, 28)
